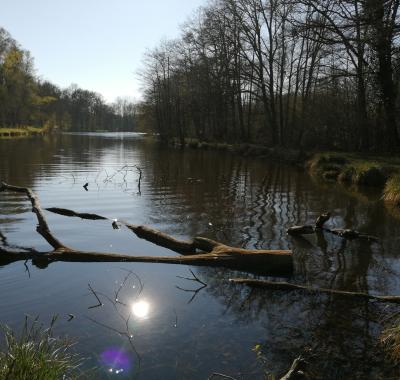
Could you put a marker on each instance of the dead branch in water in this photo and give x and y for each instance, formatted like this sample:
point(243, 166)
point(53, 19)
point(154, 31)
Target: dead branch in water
point(211, 253)
point(345, 233)
point(290, 287)
point(220, 375)
point(122, 308)
point(297, 370)
point(42, 227)
point(194, 291)
point(143, 232)
point(97, 297)
point(126, 168)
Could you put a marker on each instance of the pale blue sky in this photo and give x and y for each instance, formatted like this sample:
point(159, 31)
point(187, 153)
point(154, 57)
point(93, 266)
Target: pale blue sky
point(97, 44)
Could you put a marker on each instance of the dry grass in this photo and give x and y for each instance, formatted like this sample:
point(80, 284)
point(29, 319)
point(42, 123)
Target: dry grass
point(390, 339)
point(391, 193)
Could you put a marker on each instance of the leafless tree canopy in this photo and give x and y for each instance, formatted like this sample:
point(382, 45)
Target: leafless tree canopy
point(282, 72)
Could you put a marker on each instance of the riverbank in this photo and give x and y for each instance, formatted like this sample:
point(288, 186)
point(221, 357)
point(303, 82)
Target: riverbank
point(23, 131)
point(381, 172)
point(292, 156)
point(356, 169)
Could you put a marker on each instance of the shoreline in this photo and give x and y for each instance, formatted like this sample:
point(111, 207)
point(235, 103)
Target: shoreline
point(357, 169)
point(25, 131)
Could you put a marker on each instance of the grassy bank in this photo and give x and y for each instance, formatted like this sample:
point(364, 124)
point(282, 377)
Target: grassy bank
point(292, 156)
point(348, 168)
point(36, 354)
point(23, 131)
point(357, 169)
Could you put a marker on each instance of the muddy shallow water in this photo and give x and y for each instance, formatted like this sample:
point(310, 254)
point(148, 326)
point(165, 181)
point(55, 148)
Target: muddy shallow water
point(161, 328)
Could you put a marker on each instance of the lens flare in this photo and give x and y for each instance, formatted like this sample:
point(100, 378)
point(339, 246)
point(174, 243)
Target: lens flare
point(141, 309)
point(117, 360)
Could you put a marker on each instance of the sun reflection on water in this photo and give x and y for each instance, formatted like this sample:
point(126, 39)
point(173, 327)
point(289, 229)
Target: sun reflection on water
point(141, 309)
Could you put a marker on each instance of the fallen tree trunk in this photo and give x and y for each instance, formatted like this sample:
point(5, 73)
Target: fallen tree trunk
point(290, 287)
point(250, 262)
point(213, 253)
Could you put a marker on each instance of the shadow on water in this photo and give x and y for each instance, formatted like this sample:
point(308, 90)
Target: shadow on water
point(239, 201)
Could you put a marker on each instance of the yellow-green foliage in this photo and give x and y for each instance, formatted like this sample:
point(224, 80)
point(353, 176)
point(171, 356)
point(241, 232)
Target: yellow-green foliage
point(24, 131)
point(391, 192)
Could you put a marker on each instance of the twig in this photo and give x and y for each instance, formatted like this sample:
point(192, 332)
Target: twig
point(289, 287)
point(194, 291)
point(122, 333)
point(176, 319)
point(114, 302)
point(140, 178)
point(138, 278)
point(217, 374)
point(98, 299)
point(27, 268)
point(195, 278)
point(120, 288)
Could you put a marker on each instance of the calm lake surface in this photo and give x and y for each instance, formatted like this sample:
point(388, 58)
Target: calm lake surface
point(175, 332)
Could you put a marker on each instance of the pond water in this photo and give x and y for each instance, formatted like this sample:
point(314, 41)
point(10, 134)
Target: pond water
point(162, 327)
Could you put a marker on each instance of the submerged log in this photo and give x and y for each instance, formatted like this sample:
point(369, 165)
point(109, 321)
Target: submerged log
point(301, 230)
point(82, 215)
point(162, 239)
point(319, 226)
point(213, 253)
point(290, 287)
point(143, 232)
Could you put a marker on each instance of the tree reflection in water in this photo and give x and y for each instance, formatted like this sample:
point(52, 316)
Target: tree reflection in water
point(242, 202)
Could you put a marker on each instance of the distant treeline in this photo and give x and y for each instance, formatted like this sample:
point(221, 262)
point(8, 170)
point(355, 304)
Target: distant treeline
point(292, 73)
point(25, 100)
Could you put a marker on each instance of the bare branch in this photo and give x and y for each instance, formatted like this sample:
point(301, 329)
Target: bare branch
point(42, 227)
